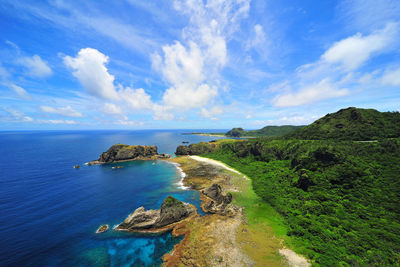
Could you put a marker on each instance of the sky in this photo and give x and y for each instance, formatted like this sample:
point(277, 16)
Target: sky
point(193, 64)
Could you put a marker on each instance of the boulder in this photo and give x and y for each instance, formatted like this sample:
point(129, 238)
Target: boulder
point(171, 211)
point(216, 201)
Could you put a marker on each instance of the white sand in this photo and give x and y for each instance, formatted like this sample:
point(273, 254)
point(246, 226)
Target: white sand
point(217, 163)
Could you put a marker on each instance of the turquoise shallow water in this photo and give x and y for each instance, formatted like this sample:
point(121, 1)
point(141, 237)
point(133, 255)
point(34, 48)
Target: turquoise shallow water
point(49, 211)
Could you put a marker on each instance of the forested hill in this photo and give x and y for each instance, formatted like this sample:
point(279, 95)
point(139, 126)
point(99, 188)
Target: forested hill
point(273, 131)
point(351, 124)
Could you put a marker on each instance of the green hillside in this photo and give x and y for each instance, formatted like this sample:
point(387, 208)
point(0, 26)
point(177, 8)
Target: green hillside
point(352, 124)
point(267, 131)
point(339, 197)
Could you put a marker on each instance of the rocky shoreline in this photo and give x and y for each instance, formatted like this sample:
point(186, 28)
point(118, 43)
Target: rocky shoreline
point(221, 237)
point(123, 153)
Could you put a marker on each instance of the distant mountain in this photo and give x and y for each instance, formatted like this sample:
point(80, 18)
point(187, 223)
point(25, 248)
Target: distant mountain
point(266, 131)
point(274, 130)
point(351, 124)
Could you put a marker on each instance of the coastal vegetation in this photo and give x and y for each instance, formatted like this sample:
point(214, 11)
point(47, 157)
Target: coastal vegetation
point(339, 198)
point(351, 124)
point(267, 131)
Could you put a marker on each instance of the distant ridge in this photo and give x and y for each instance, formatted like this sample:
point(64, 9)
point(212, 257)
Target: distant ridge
point(351, 124)
point(272, 131)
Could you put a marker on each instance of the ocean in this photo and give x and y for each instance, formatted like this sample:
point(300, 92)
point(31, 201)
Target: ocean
point(49, 211)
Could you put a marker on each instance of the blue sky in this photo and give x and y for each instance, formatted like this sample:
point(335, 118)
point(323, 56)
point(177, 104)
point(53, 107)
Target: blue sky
point(194, 64)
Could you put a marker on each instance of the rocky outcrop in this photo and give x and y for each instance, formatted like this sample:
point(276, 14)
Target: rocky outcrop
point(171, 212)
point(120, 152)
point(215, 201)
point(196, 149)
point(103, 228)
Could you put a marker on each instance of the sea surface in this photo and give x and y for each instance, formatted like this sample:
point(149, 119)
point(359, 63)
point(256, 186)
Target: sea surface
point(49, 211)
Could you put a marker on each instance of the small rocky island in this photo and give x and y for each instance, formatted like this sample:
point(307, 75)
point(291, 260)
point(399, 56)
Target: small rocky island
point(121, 152)
point(171, 212)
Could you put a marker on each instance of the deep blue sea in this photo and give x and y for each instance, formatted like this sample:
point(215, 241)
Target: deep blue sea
point(49, 211)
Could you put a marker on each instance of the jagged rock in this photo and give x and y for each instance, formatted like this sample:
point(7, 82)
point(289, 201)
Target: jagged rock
point(171, 211)
point(103, 228)
point(216, 202)
point(120, 152)
point(182, 150)
point(196, 149)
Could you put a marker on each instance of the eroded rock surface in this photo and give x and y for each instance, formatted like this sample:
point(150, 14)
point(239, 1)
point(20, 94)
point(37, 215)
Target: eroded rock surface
point(172, 211)
point(121, 152)
point(216, 201)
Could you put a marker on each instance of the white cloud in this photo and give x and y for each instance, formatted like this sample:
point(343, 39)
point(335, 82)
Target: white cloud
point(309, 94)
point(287, 120)
point(187, 98)
point(56, 122)
point(258, 38)
point(191, 67)
point(136, 98)
point(162, 112)
point(89, 67)
point(128, 122)
point(391, 77)
point(368, 14)
point(212, 112)
point(17, 116)
point(36, 67)
point(67, 111)
point(112, 109)
point(21, 92)
point(354, 51)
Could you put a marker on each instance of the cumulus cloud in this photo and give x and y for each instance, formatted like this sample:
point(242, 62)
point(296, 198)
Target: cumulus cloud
point(136, 98)
point(36, 67)
point(89, 67)
point(66, 111)
point(21, 92)
point(112, 109)
point(211, 112)
point(391, 77)
point(309, 94)
point(354, 51)
point(191, 67)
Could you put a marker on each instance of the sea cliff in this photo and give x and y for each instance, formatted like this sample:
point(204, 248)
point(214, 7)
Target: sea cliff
point(121, 152)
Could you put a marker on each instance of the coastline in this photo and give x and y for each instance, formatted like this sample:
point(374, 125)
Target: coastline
point(180, 184)
point(227, 238)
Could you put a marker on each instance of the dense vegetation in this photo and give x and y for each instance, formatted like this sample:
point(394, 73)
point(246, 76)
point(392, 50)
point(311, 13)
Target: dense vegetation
point(236, 132)
point(266, 131)
point(352, 124)
point(340, 199)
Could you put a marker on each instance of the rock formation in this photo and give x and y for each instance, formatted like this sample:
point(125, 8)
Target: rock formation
point(215, 201)
point(171, 212)
point(196, 149)
point(120, 152)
